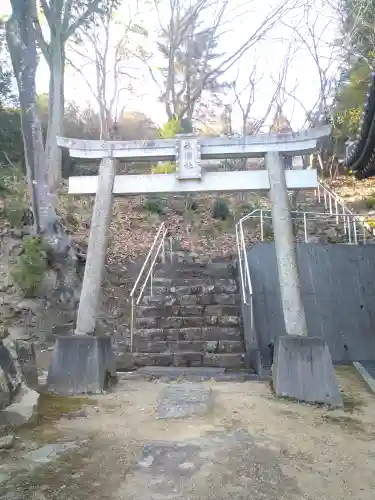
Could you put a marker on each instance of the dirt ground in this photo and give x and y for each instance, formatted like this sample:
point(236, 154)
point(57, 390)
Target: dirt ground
point(247, 445)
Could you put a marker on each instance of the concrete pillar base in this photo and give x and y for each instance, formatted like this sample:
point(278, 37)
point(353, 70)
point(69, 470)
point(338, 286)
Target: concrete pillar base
point(303, 370)
point(81, 364)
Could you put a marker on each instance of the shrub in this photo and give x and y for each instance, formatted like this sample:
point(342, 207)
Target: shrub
point(170, 129)
point(220, 209)
point(246, 208)
point(190, 204)
point(370, 203)
point(166, 167)
point(14, 211)
point(28, 272)
point(155, 205)
point(268, 232)
point(13, 192)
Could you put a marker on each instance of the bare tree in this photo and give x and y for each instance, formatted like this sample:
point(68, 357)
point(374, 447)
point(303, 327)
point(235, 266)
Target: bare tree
point(106, 52)
point(63, 18)
point(189, 41)
point(312, 35)
point(245, 97)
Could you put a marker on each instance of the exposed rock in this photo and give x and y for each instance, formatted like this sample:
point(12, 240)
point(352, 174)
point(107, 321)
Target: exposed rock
point(4, 476)
point(4, 390)
point(27, 359)
point(50, 283)
point(17, 332)
point(4, 331)
point(33, 305)
point(7, 442)
point(77, 414)
point(9, 364)
point(22, 410)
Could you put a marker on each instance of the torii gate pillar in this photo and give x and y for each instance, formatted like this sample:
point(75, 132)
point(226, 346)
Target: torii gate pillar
point(97, 250)
point(293, 309)
point(302, 367)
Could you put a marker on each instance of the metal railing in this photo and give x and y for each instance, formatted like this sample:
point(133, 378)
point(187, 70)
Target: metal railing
point(353, 231)
point(354, 227)
point(157, 249)
point(246, 286)
point(336, 205)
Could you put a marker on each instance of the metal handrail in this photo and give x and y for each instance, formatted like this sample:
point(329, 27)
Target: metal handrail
point(348, 219)
point(338, 201)
point(244, 274)
point(160, 249)
point(331, 199)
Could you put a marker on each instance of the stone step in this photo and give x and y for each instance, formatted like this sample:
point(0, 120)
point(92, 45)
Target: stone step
point(228, 298)
point(184, 256)
point(206, 333)
point(128, 361)
point(222, 306)
point(188, 321)
point(193, 373)
point(188, 281)
point(209, 346)
point(215, 265)
point(222, 286)
point(195, 273)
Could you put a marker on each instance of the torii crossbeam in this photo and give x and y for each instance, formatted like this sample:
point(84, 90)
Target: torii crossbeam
point(190, 178)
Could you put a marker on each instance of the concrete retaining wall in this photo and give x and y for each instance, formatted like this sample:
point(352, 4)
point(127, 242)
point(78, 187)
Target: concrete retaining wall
point(338, 292)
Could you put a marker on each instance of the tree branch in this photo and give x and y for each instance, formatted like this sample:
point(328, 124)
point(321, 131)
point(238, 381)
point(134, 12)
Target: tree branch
point(91, 9)
point(43, 45)
point(47, 13)
point(67, 15)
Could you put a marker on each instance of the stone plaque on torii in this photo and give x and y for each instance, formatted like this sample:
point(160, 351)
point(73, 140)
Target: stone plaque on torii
point(188, 150)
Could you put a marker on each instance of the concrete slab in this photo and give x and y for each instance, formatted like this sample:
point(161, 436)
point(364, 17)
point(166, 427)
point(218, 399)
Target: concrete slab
point(171, 457)
point(217, 465)
point(184, 400)
point(303, 370)
point(48, 453)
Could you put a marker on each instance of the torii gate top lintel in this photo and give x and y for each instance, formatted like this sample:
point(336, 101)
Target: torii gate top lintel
point(188, 150)
point(289, 144)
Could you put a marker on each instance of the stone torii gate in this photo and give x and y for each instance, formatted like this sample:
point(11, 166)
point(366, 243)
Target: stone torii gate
point(188, 150)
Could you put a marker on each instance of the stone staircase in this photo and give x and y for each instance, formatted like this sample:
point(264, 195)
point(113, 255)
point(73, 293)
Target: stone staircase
point(192, 318)
point(322, 228)
point(326, 227)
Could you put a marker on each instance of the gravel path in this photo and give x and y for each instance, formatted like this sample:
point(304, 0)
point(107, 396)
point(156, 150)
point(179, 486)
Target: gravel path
point(244, 444)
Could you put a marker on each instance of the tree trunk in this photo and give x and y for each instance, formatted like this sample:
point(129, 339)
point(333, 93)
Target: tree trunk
point(22, 48)
point(55, 113)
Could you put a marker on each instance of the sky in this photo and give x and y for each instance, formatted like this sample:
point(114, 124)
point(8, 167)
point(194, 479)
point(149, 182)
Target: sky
point(243, 18)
